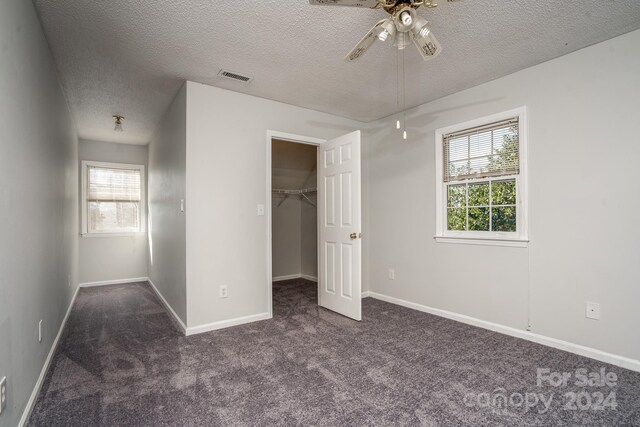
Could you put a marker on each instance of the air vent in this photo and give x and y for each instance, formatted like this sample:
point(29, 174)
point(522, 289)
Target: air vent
point(234, 76)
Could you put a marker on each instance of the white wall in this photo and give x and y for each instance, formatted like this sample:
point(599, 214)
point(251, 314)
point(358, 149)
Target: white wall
point(583, 151)
point(39, 200)
point(113, 258)
point(226, 174)
point(286, 249)
point(166, 223)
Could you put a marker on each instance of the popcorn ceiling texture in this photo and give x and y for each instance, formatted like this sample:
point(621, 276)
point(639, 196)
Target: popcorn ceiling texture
point(120, 362)
point(131, 57)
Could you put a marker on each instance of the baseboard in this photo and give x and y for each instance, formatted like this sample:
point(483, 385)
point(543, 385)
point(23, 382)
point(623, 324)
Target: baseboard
point(175, 316)
point(36, 389)
point(288, 277)
point(294, 276)
point(365, 294)
point(192, 330)
point(113, 282)
point(602, 356)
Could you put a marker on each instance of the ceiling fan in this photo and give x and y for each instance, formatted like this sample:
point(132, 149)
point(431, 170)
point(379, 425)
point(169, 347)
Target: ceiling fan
point(404, 26)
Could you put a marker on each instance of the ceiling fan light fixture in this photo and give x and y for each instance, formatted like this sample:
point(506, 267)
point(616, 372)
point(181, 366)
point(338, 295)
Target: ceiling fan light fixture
point(388, 30)
point(406, 18)
point(118, 123)
point(420, 27)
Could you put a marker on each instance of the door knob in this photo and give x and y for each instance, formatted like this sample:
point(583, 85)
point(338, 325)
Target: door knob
point(355, 235)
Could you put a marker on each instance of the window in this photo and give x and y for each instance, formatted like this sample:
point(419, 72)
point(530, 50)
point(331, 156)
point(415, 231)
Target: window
point(481, 181)
point(112, 198)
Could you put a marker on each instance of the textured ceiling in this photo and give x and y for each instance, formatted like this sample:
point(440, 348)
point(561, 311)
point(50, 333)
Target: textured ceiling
point(130, 57)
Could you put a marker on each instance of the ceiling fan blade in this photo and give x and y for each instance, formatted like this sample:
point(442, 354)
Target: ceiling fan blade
point(371, 4)
point(365, 43)
point(428, 46)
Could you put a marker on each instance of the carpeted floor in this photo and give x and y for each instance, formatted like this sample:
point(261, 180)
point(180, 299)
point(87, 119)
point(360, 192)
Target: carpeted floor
point(121, 362)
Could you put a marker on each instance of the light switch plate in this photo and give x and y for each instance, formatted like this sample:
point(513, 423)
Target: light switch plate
point(260, 210)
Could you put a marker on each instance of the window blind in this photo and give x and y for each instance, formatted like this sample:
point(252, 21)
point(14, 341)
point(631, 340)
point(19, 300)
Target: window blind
point(483, 151)
point(113, 185)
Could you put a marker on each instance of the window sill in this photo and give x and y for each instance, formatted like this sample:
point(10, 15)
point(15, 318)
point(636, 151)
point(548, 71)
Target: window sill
point(126, 234)
point(514, 243)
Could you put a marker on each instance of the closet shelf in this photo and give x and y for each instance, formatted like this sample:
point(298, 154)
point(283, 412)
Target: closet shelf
point(302, 194)
point(295, 192)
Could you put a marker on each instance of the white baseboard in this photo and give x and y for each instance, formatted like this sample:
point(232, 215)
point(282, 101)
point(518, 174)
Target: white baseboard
point(36, 389)
point(294, 276)
point(365, 294)
point(175, 316)
point(602, 356)
point(113, 282)
point(192, 330)
point(288, 277)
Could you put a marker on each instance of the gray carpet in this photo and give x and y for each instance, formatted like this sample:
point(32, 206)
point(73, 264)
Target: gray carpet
point(121, 362)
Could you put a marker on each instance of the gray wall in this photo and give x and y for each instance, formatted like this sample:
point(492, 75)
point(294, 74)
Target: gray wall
point(294, 238)
point(113, 258)
point(226, 174)
point(166, 223)
point(286, 237)
point(39, 199)
point(583, 204)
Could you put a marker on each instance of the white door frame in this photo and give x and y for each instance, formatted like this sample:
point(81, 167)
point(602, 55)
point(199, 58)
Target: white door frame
point(299, 139)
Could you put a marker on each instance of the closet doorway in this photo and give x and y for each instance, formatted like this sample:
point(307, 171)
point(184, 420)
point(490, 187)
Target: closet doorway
point(294, 220)
point(314, 247)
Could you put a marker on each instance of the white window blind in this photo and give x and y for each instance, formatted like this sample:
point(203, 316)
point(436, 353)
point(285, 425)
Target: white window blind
point(113, 199)
point(485, 151)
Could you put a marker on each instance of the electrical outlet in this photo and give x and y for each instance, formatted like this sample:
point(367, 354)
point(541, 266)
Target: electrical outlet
point(260, 210)
point(40, 331)
point(392, 274)
point(181, 205)
point(593, 310)
point(223, 291)
point(3, 393)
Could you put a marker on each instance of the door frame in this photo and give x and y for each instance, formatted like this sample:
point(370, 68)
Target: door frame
point(283, 136)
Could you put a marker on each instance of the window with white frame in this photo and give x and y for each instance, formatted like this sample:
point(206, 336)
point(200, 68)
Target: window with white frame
point(112, 198)
point(481, 182)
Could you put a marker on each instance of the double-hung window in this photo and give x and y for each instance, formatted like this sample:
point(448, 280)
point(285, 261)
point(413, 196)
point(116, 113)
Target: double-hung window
point(112, 198)
point(481, 181)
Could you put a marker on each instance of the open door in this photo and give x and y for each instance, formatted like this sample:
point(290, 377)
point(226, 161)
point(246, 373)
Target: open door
point(340, 219)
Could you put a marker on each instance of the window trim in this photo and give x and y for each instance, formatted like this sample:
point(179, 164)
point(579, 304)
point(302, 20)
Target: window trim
point(518, 239)
point(85, 164)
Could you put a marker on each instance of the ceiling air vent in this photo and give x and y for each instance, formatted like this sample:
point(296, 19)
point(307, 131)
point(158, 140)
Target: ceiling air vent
point(234, 76)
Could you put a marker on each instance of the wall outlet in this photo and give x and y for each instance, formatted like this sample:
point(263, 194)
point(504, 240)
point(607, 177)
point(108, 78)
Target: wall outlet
point(260, 210)
point(40, 331)
point(593, 310)
point(392, 274)
point(181, 205)
point(223, 291)
point(3, 393)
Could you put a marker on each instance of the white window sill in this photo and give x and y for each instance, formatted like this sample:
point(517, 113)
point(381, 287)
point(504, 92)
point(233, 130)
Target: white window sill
point(127, 234)
point(514, 243)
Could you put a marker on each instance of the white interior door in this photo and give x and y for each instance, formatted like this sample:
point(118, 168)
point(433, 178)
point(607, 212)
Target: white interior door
point(340, 219)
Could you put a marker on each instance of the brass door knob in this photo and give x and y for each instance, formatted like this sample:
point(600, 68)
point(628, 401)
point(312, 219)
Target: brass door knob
point(355, 236)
